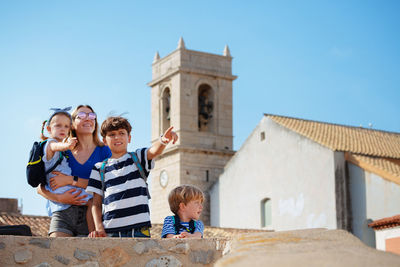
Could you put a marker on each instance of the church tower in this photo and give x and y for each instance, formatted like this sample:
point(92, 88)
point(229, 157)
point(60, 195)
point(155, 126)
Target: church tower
point(191, 91)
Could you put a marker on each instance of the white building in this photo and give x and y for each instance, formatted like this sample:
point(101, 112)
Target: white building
point(294, 174)
point(387, 234)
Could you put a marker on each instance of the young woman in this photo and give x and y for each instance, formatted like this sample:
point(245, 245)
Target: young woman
point(88, 151)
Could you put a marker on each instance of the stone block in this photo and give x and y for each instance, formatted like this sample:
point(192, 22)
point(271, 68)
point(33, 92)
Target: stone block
point(83, 255)
point(22, 256)
point(40, 242)
point(115, 257)
point(167, 261)
point(62, 259)
point(202, 256)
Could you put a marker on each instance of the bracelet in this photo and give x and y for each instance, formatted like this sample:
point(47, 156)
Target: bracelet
point(161, 141)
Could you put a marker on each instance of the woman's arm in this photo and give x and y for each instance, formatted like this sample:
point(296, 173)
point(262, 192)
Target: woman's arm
point(61, 180)
point(70, 197)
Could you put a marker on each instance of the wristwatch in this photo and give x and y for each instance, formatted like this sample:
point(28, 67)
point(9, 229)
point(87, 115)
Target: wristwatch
point(75, 180)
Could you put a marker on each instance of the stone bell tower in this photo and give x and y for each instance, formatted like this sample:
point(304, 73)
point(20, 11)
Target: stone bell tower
point(191, 91)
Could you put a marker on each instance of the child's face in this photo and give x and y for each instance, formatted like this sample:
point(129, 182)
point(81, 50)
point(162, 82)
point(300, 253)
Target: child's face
point(193, 209)
point(59, 127)
point(117, 141)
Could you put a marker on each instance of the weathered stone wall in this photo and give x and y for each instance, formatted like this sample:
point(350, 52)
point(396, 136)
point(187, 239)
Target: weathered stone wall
point(70, 251)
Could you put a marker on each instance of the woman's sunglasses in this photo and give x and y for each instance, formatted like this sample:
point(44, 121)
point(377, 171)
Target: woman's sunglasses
point(83, 115)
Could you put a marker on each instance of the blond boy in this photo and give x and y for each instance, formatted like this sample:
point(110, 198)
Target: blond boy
point(186, 202)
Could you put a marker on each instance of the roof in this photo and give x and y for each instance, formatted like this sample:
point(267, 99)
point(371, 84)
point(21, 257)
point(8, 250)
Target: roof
point(373, 150)
point(40, 224)
point(337, 137)
point(388, 222)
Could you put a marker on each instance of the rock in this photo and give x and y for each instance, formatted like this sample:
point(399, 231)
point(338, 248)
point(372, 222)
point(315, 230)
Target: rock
point(182, 248)
point(139, 248)
point(202, 256)
point(22, 255)
point(115, 257)
point(164, 261)
point(88, 264)
point(62, 259)
point(83, 255)
point(40, 242)
point(43, 264)
point(2, 245)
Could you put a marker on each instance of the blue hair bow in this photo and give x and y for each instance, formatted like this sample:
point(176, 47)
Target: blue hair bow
point(59, 110)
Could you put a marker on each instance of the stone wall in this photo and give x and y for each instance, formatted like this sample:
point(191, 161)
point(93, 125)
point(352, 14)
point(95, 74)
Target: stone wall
point(70, 251)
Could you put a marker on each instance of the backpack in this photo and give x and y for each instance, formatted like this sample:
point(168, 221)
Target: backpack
point(178, 226)
point(35, 171)
point(138, 166)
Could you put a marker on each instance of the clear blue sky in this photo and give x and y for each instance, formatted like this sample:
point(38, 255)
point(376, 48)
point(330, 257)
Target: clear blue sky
point(331, 61)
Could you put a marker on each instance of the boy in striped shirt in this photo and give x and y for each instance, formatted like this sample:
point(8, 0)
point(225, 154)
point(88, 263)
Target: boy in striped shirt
point(186, 202)
point(119, 184)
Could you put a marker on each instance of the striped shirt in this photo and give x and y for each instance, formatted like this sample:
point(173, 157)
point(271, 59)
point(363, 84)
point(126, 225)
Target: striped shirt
point(169, 228)
point(125, 200)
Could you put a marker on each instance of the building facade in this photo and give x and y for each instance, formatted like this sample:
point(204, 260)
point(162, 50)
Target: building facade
point(191, 91)
point(296, 174)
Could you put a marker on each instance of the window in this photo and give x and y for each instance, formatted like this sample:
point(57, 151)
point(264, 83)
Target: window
point(262, 136)
point(266, 219)
point(206, 106)
point(166, 110)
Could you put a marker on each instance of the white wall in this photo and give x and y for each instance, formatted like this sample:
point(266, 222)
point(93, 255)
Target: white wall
point(372, 198)
point(294, 172)
point(382, 235)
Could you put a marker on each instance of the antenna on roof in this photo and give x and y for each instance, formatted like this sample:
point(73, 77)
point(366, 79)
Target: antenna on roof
point(21, 206)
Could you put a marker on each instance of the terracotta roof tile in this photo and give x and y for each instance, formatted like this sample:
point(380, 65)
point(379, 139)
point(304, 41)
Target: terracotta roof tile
point(345, 138)
point(384, 167)
point(40, 224)
point(388, 222)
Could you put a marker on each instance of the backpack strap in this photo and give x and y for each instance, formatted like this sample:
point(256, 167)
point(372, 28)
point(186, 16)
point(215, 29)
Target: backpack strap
point(102, 170)
point(141, 171)
point(192, 226)
point(178, 226)
point(60, 158)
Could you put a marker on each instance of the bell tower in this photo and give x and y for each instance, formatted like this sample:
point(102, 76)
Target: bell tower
point(191, 91)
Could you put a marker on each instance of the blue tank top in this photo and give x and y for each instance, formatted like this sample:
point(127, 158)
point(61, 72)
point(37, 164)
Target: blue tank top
point(99, 154)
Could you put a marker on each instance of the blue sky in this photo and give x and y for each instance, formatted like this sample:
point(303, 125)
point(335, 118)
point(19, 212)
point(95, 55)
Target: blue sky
point(331, 61)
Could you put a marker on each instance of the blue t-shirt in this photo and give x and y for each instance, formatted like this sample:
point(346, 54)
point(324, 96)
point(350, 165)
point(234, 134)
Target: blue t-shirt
point(99, 154)
point(169, 228)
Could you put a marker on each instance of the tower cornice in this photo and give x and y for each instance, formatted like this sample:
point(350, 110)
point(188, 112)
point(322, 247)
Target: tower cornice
point(207, 73)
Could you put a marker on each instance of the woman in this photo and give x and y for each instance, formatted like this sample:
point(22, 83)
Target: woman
point(82, 158)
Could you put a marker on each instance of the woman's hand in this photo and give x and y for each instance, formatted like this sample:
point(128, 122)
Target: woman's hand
point(60, 180)
point(72, 197)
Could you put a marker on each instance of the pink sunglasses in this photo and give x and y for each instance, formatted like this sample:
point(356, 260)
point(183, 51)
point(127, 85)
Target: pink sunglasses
point(83, 115)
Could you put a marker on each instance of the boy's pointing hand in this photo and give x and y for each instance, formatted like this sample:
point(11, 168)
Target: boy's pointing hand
point(169, 136)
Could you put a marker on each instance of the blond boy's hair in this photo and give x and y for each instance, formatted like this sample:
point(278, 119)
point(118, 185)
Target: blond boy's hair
point(183, 194)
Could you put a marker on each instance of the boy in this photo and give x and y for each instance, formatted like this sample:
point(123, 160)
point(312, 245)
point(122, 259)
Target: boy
point(186, 202)
point(126, 199)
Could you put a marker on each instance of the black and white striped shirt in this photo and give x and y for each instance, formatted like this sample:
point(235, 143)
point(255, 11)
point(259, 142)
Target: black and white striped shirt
point(125, 200)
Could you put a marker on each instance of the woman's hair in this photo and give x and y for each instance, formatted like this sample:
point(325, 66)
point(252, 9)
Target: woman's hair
point(95, 134)
point(115, 123)
point(183, 194)
point(42, 136)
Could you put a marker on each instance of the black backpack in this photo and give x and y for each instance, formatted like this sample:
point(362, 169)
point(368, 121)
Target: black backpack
point(35, 171)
